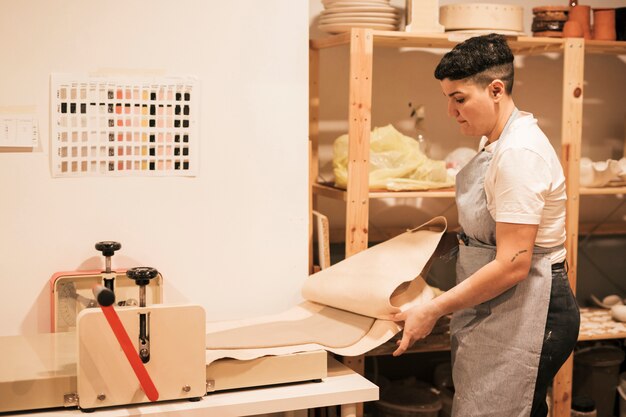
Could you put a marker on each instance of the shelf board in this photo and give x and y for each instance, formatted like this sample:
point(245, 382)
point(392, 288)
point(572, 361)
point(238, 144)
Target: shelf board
point(431, 343)
point(605, 47)
point(604, 229)
point(597, 324)
point(330, 191)
point(602, 190)
point(523, 45)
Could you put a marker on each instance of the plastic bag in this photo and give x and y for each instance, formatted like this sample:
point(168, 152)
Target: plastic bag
point(396, 163)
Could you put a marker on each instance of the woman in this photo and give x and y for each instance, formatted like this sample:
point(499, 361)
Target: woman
point(515, 320)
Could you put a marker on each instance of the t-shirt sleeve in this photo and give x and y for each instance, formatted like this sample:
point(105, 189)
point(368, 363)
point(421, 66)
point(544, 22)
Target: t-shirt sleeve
point(522, 181)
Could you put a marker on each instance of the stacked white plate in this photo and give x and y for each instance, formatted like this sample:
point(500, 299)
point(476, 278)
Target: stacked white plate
point(342, 15)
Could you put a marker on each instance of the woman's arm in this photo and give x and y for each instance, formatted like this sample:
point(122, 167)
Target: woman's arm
point(514, 251)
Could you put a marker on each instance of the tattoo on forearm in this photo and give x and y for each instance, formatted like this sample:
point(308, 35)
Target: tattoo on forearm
point(518, 253)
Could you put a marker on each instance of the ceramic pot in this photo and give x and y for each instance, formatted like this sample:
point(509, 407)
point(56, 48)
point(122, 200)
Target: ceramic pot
point(620, 23)
point(612, 300)
point(608, 301)
point(572, 29)
point(597, 174)
point(604, 24)
point(582, 15)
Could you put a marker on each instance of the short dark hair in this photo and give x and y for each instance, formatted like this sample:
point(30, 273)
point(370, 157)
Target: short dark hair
point(481, 59)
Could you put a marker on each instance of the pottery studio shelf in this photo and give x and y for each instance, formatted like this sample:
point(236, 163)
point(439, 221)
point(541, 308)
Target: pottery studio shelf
point(330, 191)
point(360, 45)
point(602, 229)
point(522, 45)
point(597, 324)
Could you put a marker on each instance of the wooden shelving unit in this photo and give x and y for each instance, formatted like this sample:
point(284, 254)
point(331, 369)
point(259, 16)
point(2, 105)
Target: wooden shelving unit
point(361, 44)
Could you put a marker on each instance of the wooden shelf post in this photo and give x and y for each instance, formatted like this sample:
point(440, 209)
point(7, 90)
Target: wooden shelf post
point(571, 133)
point(314, 122)
point(359, 127)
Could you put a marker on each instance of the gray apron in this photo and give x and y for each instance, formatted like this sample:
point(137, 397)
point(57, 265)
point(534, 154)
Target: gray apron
point(496, 345)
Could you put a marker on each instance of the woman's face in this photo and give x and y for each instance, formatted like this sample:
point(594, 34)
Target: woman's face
point(471, 105)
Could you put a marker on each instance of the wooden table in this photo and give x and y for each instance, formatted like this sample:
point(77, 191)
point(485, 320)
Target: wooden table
point(342, 387)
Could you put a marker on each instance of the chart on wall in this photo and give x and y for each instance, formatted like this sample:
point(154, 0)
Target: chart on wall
point(113, 126)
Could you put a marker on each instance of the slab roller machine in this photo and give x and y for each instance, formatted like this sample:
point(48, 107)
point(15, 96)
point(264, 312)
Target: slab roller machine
point(103, 353)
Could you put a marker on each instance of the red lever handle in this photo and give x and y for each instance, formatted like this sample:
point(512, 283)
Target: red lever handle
point(131, 354)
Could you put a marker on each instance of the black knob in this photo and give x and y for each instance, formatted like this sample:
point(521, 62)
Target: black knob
point(142, 274)
point(108, 247)
point(104, 296)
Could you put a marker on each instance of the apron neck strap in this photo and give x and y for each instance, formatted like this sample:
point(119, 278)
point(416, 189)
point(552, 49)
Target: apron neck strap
point(514, 115)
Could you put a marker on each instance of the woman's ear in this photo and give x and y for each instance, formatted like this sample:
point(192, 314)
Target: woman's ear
point(497, 90)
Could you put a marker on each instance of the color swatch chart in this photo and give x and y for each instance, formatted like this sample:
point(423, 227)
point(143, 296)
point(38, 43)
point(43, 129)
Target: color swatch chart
point(105, 126)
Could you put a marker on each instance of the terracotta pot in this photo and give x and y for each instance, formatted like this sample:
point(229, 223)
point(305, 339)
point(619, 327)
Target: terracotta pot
point(582, 15)
point(604, 24)
point(572, 29)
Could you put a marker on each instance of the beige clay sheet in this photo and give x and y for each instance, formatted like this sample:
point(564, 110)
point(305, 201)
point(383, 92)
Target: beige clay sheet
point(348, 306)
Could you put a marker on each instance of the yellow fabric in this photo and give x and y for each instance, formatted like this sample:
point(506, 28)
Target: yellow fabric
point(396, 163)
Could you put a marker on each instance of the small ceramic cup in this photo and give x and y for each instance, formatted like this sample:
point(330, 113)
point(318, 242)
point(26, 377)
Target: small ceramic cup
point(582, 15)
point(604, 24)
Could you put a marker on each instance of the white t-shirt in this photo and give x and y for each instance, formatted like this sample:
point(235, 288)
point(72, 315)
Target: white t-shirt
point(524, 182)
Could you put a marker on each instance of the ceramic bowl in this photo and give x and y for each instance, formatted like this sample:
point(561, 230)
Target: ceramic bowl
point(597, 174)
point(608, 301)
point(618, 312)
point(612, 300)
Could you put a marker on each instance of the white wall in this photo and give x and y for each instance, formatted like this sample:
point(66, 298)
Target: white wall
point(234, 238)
point(403, 76)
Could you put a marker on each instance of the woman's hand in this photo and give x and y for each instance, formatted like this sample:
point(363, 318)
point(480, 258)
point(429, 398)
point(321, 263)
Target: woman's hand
point(419, 321)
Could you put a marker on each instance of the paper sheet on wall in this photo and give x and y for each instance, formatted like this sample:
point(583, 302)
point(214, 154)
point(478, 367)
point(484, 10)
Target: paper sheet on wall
point(18, 130)
point(349, 305)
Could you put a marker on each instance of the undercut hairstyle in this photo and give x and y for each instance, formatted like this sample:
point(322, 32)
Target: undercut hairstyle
point(481, 60)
